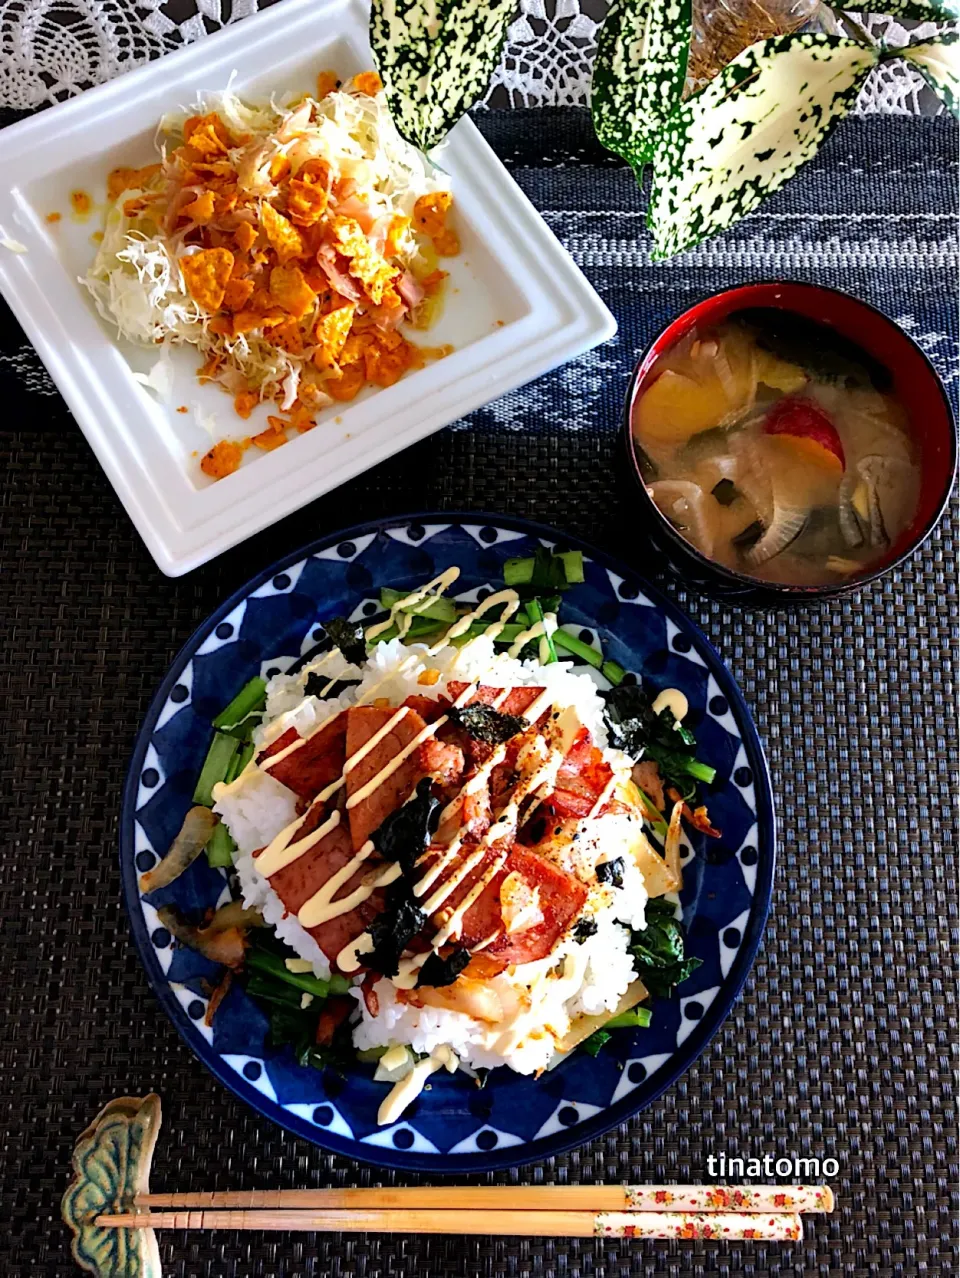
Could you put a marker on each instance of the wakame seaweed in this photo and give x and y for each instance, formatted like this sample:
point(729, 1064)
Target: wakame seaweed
point(405, 834)
point(485, 724)
point(658, 950)
point(444, 971)
point(348, 637)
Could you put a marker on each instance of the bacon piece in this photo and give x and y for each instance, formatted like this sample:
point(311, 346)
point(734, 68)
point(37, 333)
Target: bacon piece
point(315, 764)
point(427, 708)
point(582, 778)
point(518, 701)
point(363, 722)
point(335, 1012)
point(297, 882)
point(560, 900)
point(444, 762)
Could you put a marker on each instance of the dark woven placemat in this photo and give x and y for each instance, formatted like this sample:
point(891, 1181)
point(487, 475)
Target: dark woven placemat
point(840, 1045)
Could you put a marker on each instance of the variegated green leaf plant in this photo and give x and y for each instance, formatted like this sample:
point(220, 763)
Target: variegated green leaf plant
point(921, 10)
point(939, 64)
point(747, 132)
point(435, 58)
point(638, 74)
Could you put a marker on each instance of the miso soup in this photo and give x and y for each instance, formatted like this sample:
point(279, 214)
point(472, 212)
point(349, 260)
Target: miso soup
point(775, 446)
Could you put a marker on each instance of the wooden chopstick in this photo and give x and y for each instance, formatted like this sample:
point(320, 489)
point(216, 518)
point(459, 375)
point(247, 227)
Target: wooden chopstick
point(591, 1198)
point(729, 1226)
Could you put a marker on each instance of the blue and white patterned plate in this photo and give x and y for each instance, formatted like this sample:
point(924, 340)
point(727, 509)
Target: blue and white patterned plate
point(453, 1127)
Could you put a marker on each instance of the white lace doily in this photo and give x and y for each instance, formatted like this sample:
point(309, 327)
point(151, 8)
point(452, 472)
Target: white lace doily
point(52, 49)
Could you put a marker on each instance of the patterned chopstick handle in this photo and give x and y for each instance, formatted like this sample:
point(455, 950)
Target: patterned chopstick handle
point(722, 1226)
point(731, 1198)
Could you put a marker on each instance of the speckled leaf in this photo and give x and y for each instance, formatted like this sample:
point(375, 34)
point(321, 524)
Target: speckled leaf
point(638, 74)
point(747, 132)
point(435, 58)
point(938, 61)
point(922, 10)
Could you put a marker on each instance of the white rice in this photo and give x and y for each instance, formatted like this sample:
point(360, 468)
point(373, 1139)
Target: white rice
point(256, 807)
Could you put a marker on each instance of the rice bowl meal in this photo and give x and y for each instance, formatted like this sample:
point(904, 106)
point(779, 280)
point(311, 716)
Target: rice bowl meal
point(451, 851)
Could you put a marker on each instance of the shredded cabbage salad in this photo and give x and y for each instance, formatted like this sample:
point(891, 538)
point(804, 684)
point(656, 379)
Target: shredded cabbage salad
point(287, 242)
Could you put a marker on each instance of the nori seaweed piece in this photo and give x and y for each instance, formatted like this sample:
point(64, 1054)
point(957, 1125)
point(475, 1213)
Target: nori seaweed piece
point(394, 929)
point(443, 971)
point(585, 929)
point(348, 636)
point(405, 834)
point(486, 724)
point(316, 683)
point(611, 872)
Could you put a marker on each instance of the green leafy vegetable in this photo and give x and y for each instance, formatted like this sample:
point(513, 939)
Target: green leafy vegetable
point(544, 572)
point(443, 971)
point(938, 61)
point(746, 132)
point(638, 74)
point(635, 1018)
point(536, 615)
point(216, 765)
point(273, 965)
point(439, 609)
point(435, 58)
point(220, 848)
point(634, 728)
point(348, 637)
point(658, 950)
point(485, 724)
point(251, 699)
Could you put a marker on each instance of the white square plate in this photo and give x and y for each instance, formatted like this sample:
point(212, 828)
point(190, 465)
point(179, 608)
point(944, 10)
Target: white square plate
point(517, 305)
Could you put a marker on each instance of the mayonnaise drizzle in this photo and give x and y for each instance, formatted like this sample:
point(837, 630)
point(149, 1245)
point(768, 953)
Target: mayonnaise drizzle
point(412, 1084)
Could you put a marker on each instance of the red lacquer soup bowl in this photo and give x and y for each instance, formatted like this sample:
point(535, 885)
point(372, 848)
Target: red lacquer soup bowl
point(915, 384)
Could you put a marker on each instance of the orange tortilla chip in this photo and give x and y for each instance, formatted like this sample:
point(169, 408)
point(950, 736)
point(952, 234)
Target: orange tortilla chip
point(207, 134)
point(290, 290)
point(430, 212)
point(331, 334)
point(347, 385)
point(245, 403)
point(270, 439)
point(395, 233)
point(367, 82)
point(125, 179)
point(279, 168)
point(306, 202)
point(245, 237)
point(237, 294)
point(201, 209)
point(288, 337)
point(327, 82)
point(222, 459)
point(365, 264)
point(205, 275)
point(282, 235)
